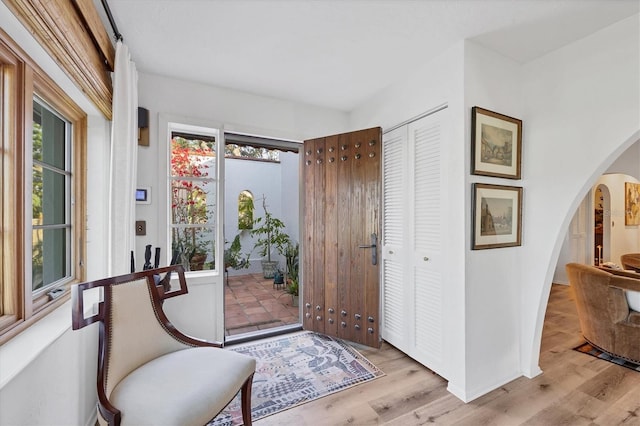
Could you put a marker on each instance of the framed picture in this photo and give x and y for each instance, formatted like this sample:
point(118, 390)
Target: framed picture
point(631, 203)
point(497, 216)
point(496, 144)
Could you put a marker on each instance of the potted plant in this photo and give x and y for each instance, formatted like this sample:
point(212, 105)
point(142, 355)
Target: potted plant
point(293, 290)
point(270, 233)
point(291, 253)
point(191, 248)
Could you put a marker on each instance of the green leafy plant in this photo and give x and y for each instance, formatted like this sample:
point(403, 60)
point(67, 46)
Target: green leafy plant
point(270, 233)
point(293, 286)
point(233, 256)
point(291, 253)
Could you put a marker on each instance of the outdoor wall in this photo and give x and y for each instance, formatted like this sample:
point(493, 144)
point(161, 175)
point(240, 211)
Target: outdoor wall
point(278, 183)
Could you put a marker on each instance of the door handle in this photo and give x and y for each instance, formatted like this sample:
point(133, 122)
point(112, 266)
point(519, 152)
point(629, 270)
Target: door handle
point(374, 246)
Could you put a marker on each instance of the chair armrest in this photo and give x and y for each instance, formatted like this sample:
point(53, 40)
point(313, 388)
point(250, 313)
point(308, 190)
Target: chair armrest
point(158, 294)
point(625, 283)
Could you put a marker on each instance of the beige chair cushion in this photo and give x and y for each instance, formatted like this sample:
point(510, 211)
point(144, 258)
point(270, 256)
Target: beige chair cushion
point(207, 378)
point(136, 335)
point(633, 298)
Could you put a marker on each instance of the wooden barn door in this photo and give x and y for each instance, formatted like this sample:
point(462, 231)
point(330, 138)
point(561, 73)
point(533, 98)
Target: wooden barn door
point(340, 258)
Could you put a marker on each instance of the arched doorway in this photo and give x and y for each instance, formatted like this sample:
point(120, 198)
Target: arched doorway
point(601, 224)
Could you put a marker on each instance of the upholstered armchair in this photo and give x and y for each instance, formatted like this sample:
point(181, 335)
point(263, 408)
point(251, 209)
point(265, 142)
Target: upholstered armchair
point(631, 261)
point(605, 317)
point(149, 372)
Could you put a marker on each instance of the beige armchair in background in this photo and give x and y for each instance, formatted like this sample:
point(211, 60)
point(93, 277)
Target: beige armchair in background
point(606, 319)
point(150, 373)
point(631, 261)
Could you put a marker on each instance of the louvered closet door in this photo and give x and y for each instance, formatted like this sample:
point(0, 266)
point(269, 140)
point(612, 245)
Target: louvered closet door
point(395, 181)
point(426, 239)
point(412, 249)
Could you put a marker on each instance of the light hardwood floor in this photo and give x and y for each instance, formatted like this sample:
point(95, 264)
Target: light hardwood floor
point(575, 389)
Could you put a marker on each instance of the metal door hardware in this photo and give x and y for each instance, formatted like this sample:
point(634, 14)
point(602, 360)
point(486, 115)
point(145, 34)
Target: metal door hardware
point(374, 247)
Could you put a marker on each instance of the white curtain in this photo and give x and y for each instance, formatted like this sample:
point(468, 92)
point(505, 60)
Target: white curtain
point(123, 165)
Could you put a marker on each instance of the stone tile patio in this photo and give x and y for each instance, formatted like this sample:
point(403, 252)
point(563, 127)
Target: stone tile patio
point(253, 303)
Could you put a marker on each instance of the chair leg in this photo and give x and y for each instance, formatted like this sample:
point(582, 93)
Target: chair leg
point(245, 395)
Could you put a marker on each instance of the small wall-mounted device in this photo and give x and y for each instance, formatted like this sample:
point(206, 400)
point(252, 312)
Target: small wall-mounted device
point(143, 126)
point(143, 195)
point(141, 227)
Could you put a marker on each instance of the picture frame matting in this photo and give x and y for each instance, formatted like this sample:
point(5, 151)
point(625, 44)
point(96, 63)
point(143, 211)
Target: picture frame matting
point(496, 144)
point(497, 216)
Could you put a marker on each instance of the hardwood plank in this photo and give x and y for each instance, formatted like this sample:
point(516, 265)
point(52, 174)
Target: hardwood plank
point(574, 389)
point(332, 304)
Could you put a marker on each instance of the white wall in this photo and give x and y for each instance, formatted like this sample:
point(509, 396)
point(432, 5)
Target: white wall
point(438, 82)
point(225, 109)
point(237, 111)
point(581, 110)
point(629, 164)
point(623, 239)
point(47, 373)
point(492, 292)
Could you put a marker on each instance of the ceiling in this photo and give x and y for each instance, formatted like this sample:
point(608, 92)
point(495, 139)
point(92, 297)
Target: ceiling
point(338, 53)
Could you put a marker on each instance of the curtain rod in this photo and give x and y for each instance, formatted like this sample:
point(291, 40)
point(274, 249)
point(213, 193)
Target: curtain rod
point(107, 9)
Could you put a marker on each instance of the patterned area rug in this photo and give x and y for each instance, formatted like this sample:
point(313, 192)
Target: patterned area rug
point(295, 369)
point(587, 348)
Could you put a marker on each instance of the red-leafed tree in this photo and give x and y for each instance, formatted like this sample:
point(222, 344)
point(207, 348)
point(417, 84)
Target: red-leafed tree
point(189, 171)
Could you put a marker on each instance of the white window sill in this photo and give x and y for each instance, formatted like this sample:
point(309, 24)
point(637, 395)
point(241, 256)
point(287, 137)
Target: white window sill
point(21, 350)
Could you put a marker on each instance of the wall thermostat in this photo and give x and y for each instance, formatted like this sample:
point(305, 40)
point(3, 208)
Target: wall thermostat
point(143, 195)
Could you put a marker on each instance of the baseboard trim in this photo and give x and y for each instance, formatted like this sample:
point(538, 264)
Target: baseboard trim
point(477, 393)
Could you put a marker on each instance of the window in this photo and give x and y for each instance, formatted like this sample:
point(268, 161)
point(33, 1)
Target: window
point(245, 210)
point(42, 205)
point(50, 199)
point(193, 196)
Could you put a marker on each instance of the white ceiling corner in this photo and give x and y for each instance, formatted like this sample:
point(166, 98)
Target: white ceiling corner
point(338, 53)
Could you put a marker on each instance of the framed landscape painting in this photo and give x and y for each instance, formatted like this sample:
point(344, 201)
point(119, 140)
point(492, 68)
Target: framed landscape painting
point(497, 216)
point(631, 204)
point(496, 144)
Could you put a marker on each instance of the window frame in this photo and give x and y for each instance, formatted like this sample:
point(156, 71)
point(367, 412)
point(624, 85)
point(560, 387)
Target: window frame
point(22, 81)
point(176, 128)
